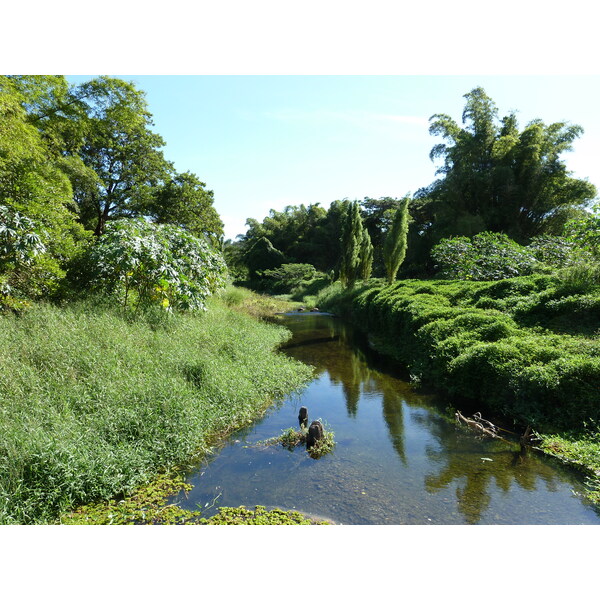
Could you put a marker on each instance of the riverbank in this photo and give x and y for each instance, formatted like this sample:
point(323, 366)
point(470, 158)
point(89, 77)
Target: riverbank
point(525, 348)
point(94, 404)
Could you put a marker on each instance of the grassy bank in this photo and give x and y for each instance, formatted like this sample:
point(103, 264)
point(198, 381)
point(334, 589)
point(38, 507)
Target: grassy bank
point(93, 404)
point(527, 347)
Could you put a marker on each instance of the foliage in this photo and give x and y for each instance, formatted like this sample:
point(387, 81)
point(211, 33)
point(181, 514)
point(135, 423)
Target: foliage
point(311, 234)
point(557, 251)
point(33, 184)
point(93, 404)
point(487, 256)
point(288, 276)
point(120, 148)
point(259, 516)
point(262, 255)
point(184, 201)
point(526, 346)
point(144, 263)
point(355, 247)
point(585, 231)
point(366, 256)
point(394, 247)
point(497, 178)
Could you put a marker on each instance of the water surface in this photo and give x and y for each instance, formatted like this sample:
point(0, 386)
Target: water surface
point(397, 459)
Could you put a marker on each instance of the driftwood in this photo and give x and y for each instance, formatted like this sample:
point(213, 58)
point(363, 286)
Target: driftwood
point(526, 441)
point(479, 424)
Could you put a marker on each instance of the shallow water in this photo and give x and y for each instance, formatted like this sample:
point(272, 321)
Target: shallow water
point(397, 460)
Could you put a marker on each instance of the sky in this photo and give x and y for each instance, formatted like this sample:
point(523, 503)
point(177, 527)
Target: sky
point(265, 142)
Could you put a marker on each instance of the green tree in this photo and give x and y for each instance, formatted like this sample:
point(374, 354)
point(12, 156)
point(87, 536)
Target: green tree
point(351, 243)
point(394, 247)
point(262, 255)
point(33, 183)
point(120, 147)
point(184, 201)
point(377, 215)
point(366, 255)
point(498, 178)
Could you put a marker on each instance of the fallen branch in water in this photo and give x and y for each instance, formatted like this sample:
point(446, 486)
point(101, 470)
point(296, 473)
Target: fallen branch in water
point(480, 424)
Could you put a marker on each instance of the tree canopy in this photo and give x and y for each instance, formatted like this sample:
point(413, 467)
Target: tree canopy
point(498, 178)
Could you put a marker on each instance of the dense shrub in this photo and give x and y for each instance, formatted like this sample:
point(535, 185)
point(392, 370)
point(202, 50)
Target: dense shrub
point(487, 256)
point(490, 342)
point(141, 264)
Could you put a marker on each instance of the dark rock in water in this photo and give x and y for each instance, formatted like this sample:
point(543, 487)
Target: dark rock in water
point(301, 309)
point(303, 416)
point(315, 309)
point(315, 433)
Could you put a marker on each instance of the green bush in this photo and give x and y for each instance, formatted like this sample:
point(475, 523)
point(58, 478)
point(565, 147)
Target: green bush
point(142, 263)
point(490, 342)
point(487, 256)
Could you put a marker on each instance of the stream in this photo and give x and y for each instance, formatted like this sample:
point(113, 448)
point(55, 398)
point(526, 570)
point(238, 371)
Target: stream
point(397, 459)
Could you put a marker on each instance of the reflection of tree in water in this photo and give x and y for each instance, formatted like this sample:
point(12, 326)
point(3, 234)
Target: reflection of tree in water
point(393, 413)
point(463, 453)
point(331, 346)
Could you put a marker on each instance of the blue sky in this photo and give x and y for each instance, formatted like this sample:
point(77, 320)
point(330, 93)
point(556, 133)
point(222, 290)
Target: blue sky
point(262, 142)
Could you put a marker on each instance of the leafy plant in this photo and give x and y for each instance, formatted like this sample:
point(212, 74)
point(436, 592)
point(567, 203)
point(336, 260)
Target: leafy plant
point(487, 256)
point(143, 264)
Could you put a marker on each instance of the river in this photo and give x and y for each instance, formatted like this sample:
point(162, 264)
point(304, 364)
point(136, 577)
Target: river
point(397, 460)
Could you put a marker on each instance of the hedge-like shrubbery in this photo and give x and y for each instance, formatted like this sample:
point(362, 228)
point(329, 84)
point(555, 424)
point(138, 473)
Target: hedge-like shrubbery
point(526, 347)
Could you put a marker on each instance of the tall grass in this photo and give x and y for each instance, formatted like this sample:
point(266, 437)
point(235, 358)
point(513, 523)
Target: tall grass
point(93, 404)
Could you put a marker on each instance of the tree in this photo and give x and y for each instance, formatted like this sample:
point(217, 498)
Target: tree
point(497, 178)
point(262, 255)
point(394, 247)
point(184, 201)
point(377, 215)
point(366, 256)
point(120, 147)
point(33, 184)
point(351, 243)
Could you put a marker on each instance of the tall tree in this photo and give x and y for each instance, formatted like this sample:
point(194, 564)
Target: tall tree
point(351, 243)
point(34, 185)
point(122, 150)
point(498, 178)
point(366, 255)
point(394, 247)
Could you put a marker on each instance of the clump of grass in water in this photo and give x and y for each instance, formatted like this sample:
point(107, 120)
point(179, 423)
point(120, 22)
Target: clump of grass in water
point(259, 516)
point(291, 438)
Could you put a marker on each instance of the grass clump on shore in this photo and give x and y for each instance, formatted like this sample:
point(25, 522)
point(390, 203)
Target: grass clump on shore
point(93, 404)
